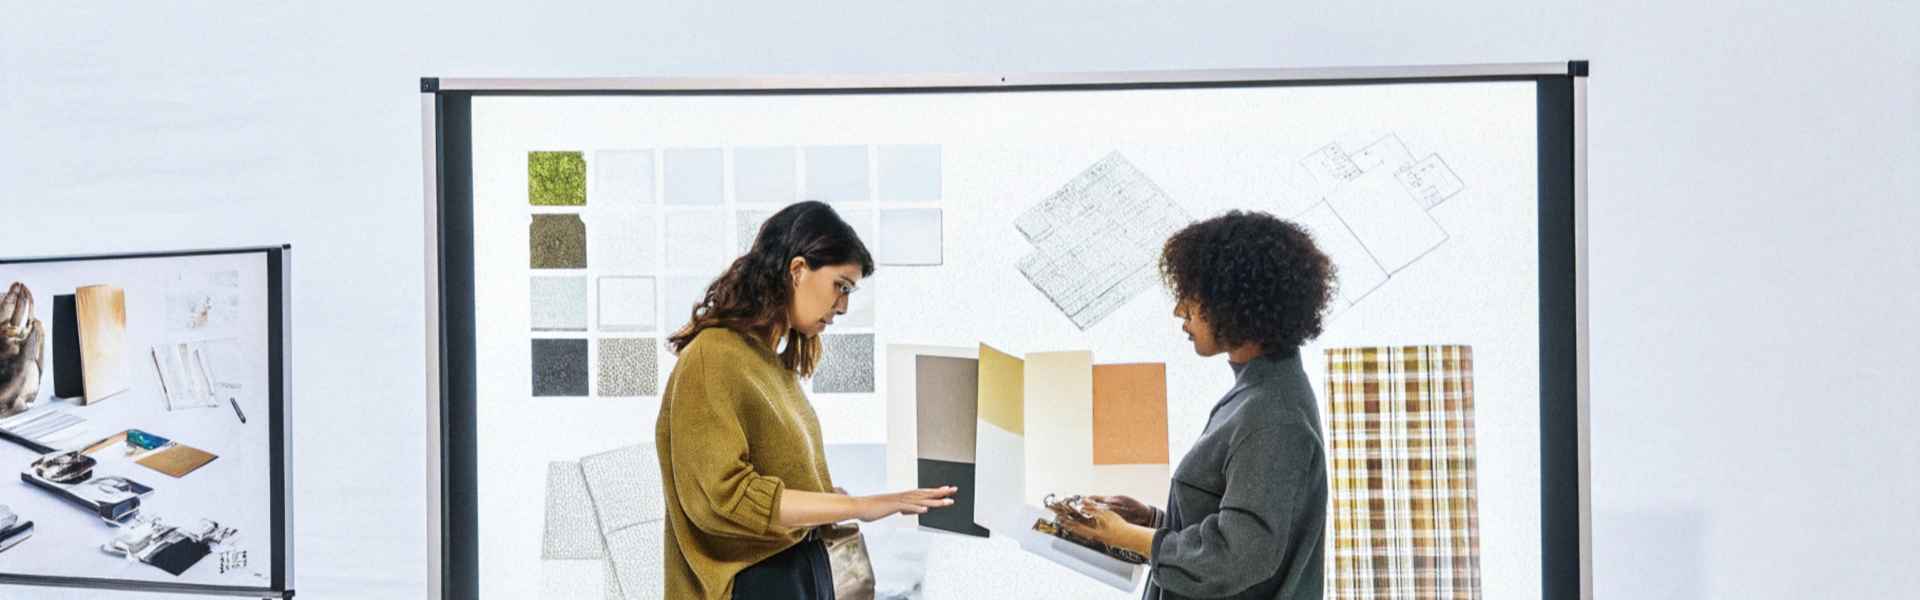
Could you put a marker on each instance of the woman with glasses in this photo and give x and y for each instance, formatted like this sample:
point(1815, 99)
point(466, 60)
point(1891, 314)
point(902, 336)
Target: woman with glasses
point(741, 457)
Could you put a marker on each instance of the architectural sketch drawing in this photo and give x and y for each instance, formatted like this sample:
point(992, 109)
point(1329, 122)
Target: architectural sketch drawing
point(1096, 238)
point(1330, 165)
point(1430, 181)
point(1386, 151)
point(1371, 215)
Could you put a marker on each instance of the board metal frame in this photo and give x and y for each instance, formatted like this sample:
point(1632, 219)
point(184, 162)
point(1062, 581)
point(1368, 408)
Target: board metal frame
point(446, 130)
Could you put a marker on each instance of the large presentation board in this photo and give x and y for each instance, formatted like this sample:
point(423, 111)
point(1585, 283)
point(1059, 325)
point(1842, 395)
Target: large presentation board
point(153, 455)
point(1016, 220)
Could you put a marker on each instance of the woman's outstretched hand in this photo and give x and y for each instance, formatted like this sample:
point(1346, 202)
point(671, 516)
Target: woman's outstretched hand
point(911, 502)
point(1133, 511)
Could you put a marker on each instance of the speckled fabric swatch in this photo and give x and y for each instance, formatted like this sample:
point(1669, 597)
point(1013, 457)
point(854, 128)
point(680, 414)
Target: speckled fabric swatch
point(846, 365)
point(630, 503)
point(556, 179)
point(557, 242)
point(626, 487)
point(628, 367)
point(559, 367)
point(638, 559)
point(572, 530)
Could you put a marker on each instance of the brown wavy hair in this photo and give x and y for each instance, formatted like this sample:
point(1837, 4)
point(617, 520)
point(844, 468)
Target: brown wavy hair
point(1256, 278)
point(753, 295)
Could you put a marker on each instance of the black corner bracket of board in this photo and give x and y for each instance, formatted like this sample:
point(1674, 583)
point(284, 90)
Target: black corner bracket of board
point(429, 85)
point(1577, 68)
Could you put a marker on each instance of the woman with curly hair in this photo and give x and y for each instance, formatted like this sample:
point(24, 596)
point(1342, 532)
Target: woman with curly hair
point(741, 458)
point(1248, 504)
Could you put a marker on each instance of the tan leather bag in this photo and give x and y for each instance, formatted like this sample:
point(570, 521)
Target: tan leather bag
point(852, 569)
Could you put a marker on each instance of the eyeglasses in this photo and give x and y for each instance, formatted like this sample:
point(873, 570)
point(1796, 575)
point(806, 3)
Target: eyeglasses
point(845, 288)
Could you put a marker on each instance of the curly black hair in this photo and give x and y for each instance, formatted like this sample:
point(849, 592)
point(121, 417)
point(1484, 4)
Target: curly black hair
point(1255, 278)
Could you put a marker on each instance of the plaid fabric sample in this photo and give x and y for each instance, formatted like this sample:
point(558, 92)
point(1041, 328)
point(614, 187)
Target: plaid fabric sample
point(1405, 514)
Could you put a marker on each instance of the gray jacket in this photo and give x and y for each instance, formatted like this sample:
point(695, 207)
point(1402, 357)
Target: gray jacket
point(1248, 506)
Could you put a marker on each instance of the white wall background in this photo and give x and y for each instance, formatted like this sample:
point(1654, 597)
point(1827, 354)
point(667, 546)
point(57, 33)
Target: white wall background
point(1753, 172)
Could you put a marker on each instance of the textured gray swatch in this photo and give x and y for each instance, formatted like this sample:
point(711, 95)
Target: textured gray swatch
point(559, 367)
point(625, 485)
point(846, 365)
point(638, 554)
point(628, 367)
point(572, 530)
point(559, 303)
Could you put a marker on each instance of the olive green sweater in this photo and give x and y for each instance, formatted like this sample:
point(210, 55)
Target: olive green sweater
point(734, 431)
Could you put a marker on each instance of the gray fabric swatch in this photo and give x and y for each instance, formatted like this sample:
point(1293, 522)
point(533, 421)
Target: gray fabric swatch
point(846, 365)
point(572, 529)
point(559, 303)
point(628, 367)
point(625, 485)
point(638, 554)
point(559, 367)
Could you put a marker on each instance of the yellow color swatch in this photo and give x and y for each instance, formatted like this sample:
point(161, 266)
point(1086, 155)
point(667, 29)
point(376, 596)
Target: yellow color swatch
point(1002, 396)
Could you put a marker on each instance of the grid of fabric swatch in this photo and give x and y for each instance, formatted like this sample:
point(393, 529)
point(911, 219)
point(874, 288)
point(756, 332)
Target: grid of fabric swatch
point(1405, 514)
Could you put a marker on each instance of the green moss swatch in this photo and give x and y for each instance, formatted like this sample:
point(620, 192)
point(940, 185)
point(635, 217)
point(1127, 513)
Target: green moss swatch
point(558, 242)
point(556, 179)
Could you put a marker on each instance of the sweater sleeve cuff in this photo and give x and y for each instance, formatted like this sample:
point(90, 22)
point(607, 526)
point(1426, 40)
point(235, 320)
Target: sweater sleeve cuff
point(1153, 558)
point(761, 504)
point(1159, 518)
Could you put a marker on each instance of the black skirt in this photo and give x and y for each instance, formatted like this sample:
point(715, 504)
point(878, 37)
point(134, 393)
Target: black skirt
point(801, 572)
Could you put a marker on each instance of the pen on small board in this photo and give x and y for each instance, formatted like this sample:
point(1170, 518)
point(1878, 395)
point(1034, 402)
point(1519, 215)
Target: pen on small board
point(236, 409)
